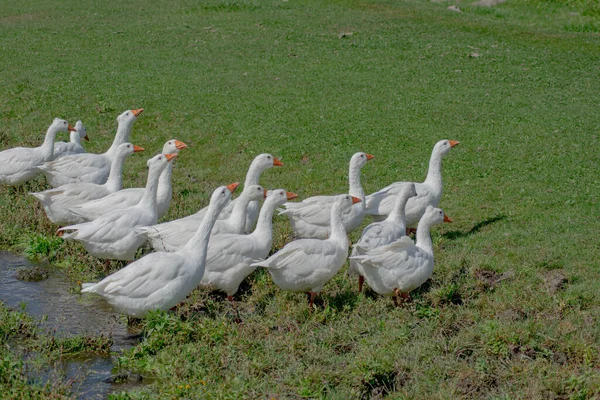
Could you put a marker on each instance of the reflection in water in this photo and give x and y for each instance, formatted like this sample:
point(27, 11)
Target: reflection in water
point(68, 314)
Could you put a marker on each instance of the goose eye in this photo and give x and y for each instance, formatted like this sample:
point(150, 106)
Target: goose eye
point(64, 122)
point(128, 146)
point(362, 156)
point(269, 157)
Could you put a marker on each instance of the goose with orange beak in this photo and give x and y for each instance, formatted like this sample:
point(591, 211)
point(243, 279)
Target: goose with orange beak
point(402, 266)
point(126, 198)
point(306, 265)
point(173, 235)
point(113, 236)
point(89, 167)
point(429, 192)
point(57, 202)
point(188, 224)
point(159, 281)
point(20, 164)
point(74, 146)
point(310, 217)
point(230, 256)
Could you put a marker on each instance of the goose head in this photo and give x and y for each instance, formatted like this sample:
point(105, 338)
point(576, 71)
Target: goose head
point(79, 133)
point(60, 125)
point(443, 146)
point(222, 195)
point(157, 163)
point(265, 161)
point(435, 215)
point(128, 117)
point(254, 192)
point(173, 146)
point(127, 149)
point(279, 196)
point(359, 159)
point(344, 202)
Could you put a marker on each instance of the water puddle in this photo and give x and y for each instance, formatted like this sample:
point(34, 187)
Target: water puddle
point(68, 314)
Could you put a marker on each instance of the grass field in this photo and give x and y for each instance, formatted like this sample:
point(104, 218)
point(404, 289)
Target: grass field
point(512, 310)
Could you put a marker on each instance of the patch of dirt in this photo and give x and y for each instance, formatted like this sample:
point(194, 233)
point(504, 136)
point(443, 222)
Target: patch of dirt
point(379, 385)
point(489, 279)
point(522, 352)
point(559, 357)
point(488, 3)
point(476, 386)
point(34, 274)
point(513, 314)
point(555, 280)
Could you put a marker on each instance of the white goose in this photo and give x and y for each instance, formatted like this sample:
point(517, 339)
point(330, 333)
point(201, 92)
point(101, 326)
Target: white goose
point(381, 233)
point(399, 267)
point(126, 198)
point(58, 202)
point(230, 255)
point(88, 167)
point(172, 235)
point(74, 146)
point(260, 164)
point(429, 193)
point(305, 265)
point(159, 281)
point(113, 236)
point(310, 218)
point(19, 164)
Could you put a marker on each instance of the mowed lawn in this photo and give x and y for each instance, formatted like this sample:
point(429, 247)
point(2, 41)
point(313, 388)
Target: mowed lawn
point(512, 309)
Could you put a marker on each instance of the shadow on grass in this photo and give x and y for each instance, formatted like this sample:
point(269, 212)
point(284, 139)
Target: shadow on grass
point(344, 300)
point(452, 235)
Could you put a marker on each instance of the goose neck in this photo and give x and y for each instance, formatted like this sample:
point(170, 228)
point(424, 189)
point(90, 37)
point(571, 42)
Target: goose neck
point(238, 214)
point(338, 231)
point(424, 236)
point(356, 188)
point(197, 246)
point(115, 177)
point(164, 181)
point(434, 172)
point(48, 145)
point(149, 197)
point(122, 136)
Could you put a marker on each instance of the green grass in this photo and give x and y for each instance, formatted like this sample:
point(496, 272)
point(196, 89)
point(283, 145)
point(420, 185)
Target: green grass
point(517, 84)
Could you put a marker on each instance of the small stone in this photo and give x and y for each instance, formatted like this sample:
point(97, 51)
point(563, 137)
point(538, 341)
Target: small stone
point(454, 8)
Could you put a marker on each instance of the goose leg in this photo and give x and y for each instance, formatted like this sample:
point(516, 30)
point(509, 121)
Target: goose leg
point(361, 281)
point(237, 314)
point(411, 231)
point(311, 300)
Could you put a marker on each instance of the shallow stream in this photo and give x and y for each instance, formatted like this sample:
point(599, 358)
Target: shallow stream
point(68, 314)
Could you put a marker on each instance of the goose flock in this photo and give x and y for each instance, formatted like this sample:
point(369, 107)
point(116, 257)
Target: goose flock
point(223, 243)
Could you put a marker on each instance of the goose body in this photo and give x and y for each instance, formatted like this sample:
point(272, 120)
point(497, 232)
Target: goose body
point(261, 163)
point(20, 164)
point(172, 235)
point(305, 265)
point(58, 202)
point(113, 236)
point(310, 218)
point(382, 233)
point(89, 167)
point(429, 192)
point(159, 281)
point(230, 255)
point(126, 198)
point(402, 266)
point(74, 145)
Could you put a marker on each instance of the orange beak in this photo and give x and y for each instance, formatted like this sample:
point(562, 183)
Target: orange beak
point(355, 200)
point(370, 157)
point(70, 128)
point(265, 194)
point(291, 196)
point(87, 139)
point(170, 156)
point(180, 145)
point(137, 112)
point(277, 163)
point(446, 218)
point(233, 186)
point(453, 143)
point(137, 149)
